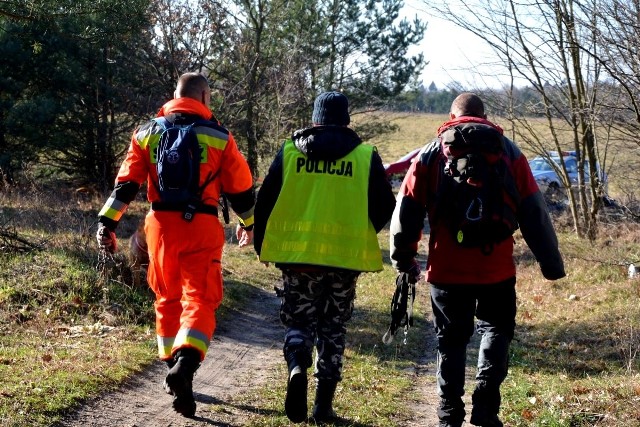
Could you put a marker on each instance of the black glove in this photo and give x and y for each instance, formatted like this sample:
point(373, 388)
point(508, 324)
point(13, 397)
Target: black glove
point(414, 272)
point(553, 272)
point(106, 239)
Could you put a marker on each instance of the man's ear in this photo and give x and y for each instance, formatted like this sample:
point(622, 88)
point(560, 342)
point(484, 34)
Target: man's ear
point(452, 116)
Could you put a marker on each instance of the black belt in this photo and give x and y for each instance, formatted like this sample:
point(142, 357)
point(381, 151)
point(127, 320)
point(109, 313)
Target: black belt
point(182, 207)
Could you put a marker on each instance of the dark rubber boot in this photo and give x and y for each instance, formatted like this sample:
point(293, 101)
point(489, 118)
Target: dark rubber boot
point(483, 420)
point(451, 412)
point(295, 404)
point(170, 364)
point(486, 405)
point(323, 404)
point(180, 381)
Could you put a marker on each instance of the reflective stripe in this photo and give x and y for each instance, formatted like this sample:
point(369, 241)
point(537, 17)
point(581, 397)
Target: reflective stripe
point(212, 137)
point(165, 345)
point(145, 138)
point(207, 137)
point(316, 227)
point(246, 222)
point(329, 250)
point(246, 218)
point(193, 338)
point(113, 209)
point(332, 250)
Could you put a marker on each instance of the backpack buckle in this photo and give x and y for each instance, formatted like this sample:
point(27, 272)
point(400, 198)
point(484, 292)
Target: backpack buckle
point(189, 212)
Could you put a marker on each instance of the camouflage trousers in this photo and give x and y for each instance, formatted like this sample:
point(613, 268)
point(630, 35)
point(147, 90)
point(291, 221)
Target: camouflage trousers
point(315, 308)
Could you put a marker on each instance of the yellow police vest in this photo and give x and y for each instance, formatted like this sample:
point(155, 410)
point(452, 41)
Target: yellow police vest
point(321, 215)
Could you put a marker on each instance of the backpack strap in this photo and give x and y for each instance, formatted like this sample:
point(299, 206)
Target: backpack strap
point(211, 176)
point(163, 122)
point(222, 201)
point(435, 157)
point(166, 124)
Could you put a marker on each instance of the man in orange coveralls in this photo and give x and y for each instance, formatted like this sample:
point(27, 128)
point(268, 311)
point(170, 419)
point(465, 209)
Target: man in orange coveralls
point(185, 272)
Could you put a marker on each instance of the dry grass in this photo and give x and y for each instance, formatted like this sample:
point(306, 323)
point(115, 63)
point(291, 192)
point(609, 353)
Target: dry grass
point(620, 158)
point(575, 361)
point(414, 131)
point(60, 318)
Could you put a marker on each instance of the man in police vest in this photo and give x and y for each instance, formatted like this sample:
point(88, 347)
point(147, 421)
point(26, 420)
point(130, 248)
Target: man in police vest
point(323, 201)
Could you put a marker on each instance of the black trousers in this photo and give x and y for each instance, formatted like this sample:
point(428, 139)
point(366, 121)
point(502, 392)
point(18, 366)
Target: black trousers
point(454, 309)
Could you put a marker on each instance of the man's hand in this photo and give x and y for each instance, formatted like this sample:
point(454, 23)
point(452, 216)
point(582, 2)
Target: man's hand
point(106, 239)
point(414, 273)
point(244, 237)
point(553, 272)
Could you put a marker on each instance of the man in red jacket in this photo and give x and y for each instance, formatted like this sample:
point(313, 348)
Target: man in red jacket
point(185, 251)
point(468, 282)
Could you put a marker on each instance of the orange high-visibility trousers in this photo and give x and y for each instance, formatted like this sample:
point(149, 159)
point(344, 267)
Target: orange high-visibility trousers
point(185, 273)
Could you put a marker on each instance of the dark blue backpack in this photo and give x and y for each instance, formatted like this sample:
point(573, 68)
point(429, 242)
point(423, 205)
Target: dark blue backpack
point(178, 158)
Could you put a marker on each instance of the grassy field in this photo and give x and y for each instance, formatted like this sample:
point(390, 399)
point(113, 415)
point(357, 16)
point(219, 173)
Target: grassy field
point(413, 131)
point(65, 313)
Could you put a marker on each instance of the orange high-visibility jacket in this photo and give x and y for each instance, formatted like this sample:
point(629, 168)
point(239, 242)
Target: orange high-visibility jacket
point(222, 157)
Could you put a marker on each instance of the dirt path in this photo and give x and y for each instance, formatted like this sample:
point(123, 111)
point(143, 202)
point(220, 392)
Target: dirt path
point(423, 398)
point(246, 346)
point(245, 351)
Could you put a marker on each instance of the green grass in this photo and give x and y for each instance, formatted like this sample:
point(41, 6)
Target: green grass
point(46, 370)
point(63, 313)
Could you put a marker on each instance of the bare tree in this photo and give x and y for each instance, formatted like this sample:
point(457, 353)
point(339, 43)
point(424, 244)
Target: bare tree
point(260, 77)
point(618, 37)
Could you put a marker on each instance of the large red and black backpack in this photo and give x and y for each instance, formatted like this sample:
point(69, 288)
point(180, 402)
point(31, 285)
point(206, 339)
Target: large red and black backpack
point(476, 194)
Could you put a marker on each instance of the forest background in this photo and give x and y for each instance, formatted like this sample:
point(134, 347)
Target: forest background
point(78, 76)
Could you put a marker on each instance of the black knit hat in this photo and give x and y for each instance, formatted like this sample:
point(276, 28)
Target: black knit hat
point(331, 108)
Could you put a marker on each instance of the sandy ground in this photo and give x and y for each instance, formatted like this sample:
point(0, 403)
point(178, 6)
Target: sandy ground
point(244, 353)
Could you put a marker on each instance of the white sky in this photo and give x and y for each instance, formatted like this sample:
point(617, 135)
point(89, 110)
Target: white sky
point(452, 52)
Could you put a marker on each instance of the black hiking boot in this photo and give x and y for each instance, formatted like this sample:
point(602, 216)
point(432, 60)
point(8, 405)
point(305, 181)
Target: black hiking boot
point(170, 364)
point(179, 381)
point(295, 403)
point(486, 405)
point(451, 412)
point(483, 420)
point(323, 404)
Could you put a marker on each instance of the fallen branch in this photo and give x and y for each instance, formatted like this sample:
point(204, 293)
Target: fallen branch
point(12, 242)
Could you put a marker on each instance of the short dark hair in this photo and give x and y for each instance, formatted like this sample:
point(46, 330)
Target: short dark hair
point(468, 104)
point(191, 85)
